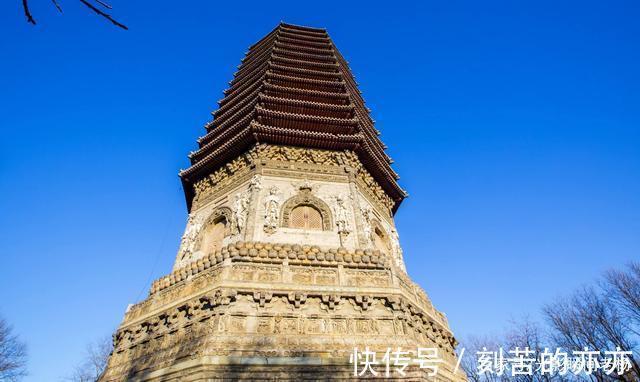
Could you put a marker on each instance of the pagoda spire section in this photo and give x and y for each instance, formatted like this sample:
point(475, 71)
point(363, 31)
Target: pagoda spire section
point(293, 87)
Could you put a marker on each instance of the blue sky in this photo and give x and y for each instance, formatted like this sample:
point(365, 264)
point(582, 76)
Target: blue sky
point(515, 127)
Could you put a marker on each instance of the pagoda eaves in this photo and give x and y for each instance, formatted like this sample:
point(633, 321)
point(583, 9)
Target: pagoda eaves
point(292, 88)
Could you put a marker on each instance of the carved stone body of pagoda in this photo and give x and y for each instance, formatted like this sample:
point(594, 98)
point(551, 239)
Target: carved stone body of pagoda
point(290, 258)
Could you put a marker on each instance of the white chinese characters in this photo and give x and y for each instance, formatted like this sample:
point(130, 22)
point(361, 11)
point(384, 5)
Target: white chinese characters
point(365, 362)
point(524, 361)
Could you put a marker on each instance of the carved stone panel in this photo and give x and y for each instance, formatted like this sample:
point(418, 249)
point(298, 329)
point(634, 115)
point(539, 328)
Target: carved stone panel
point(367, 278)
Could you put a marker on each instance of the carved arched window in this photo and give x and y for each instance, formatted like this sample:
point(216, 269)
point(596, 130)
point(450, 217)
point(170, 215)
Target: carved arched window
point(380, 240)
point(305, 217)
point(306, 211)
point(213, 235)
point(215, 229)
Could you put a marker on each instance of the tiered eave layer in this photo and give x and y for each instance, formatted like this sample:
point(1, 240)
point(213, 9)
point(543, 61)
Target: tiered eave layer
point(292, 88)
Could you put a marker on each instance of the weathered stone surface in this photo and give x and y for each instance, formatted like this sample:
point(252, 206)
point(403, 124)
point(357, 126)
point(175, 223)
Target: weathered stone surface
point(290, 259)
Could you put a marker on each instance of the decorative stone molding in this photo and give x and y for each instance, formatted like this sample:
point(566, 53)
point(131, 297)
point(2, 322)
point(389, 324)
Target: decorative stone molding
point(364, 301)
point(305, 197)
point(262, 297)
point(331, 301)
point(219, 297)
point(215, 216)
point(200, 311)
point(237, 170)
point(328, 158)
point(224, 178)
point(297, 299)
point(268, 252)
point(301, 155)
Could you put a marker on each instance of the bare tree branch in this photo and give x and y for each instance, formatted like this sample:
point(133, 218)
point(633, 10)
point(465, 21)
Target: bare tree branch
point(468, 363)
point(13, 354)
point(27, 12)
point(590, 318)
point(31, 20)
point(525, 333)
point(104, 4)
point(103, 14)
point(94, 363)
point(624, 289)
point(55, 3)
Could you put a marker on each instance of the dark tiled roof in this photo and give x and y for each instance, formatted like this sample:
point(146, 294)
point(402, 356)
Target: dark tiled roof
point(292, 88)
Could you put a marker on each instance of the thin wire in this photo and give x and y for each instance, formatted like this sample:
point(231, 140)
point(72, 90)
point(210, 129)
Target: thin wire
point(157, 259)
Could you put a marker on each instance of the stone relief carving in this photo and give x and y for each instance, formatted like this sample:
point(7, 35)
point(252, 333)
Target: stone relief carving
point(220, 212)
point(256, 183)
point(306, 197)
point(240, 210)
point(241, 203)
point(367, 230)
point(271, 211)
point(196, 227)
point(222, 177)
point(343, 217)
point(199, 317)
point(190, 236)
point(302, 155)
point(328, 158)
point(396, 249)
point(187, 317)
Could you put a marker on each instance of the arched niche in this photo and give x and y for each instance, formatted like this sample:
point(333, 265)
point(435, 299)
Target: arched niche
point(380, 238)
point(306, 203)
point(214, 230)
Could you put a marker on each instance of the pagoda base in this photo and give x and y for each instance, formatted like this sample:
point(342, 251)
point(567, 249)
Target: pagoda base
point(300, 313)
point(214, 369)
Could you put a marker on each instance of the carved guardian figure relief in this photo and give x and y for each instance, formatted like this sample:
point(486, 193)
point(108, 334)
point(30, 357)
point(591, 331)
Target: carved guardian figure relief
point(241, 203)
point(189, 238)
point(204, 234)
point(396, 249)
point(240, 210)
point(256, 183)
point(366, 226)
point(343, 217)
point(271, 210)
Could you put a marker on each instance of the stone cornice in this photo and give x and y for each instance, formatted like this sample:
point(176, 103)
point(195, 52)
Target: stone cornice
point(189, 281)
point(274, 253)
point(216, 300)
point(293, 159)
